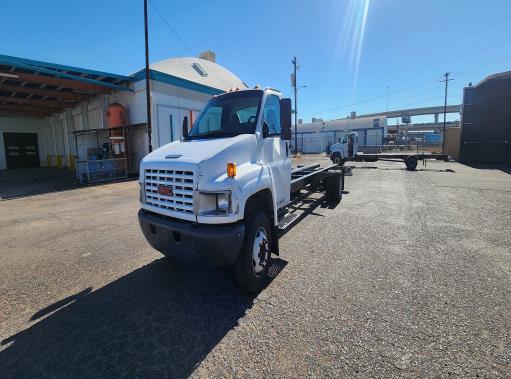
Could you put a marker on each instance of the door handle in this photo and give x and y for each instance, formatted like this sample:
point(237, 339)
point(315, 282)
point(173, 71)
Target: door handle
point(287, 150)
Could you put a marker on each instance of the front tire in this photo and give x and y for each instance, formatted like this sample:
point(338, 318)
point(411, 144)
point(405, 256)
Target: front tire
point(337, 159)
point(251, 267)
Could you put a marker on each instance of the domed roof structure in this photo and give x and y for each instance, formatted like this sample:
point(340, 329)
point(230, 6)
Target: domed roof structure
point(200, 71)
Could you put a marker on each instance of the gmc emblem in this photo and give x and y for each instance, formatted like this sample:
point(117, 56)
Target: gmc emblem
point(165, 190)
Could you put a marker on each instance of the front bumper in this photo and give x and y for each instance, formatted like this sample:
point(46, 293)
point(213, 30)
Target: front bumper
point(219, 245)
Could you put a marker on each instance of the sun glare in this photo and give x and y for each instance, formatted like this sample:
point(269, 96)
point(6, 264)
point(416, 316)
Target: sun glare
point(351, 37)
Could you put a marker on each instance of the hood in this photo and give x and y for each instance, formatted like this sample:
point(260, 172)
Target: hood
point(194, 151)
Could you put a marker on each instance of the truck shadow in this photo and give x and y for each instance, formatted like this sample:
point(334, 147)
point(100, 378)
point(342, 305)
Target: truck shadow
point(160, 320)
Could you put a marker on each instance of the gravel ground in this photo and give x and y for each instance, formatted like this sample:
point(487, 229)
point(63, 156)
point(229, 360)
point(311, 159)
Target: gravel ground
point(410, 275)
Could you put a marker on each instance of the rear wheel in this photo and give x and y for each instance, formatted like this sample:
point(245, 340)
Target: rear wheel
point(333, 188)
point(252, 264)
point(411, 162)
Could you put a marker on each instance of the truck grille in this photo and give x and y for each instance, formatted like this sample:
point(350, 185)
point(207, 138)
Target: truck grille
point(182, 185)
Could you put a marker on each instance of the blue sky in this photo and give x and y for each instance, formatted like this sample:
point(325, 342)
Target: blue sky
point(349, 51)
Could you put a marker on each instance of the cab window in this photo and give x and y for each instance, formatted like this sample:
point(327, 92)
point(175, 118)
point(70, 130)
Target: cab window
point(271, 114)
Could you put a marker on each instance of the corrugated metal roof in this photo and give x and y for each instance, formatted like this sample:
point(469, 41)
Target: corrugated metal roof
point(39, 89)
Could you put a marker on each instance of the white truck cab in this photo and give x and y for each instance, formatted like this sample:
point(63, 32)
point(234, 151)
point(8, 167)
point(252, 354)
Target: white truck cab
point(345, 149)
point(215, 194)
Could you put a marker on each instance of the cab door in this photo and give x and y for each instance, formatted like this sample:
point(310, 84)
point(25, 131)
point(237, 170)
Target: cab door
point(350, 145)
point(275, 154)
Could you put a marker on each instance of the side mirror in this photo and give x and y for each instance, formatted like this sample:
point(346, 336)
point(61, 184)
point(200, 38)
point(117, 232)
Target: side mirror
point(285, 119)
point(185, 127)
point(266, 129)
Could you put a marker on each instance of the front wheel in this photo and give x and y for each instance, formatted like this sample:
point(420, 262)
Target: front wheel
point(251, 267)
point(337, 159)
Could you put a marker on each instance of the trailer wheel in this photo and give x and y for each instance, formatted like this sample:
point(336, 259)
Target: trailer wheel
point(251, 267)
point(411, 162)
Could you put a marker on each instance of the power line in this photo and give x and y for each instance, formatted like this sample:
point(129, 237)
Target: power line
point(172, 29)
point(447, 41)
point(369, 99)
point(182, 40)
point(400, 90)
point(454, 54)
point(420, 101)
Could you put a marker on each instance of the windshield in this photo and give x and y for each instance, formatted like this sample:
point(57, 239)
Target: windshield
point(228, 115)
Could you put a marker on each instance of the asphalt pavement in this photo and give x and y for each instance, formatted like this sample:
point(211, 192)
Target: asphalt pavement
point(408, 276)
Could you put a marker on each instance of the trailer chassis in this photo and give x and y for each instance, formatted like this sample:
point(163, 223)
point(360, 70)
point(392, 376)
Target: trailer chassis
point(410, 160)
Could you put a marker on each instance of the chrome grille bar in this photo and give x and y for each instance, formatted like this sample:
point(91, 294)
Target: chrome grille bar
point(182, 183)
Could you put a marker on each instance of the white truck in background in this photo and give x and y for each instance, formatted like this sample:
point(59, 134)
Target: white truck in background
point(220, 193)
point(347, 150)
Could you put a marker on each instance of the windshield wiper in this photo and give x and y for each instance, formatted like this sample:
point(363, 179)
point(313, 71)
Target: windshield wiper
point(213, 133)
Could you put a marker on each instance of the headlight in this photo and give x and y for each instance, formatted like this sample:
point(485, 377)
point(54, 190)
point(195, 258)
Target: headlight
point(223, 202)
point(214, 203)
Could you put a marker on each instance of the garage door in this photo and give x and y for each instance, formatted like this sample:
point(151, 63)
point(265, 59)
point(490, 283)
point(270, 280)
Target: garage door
point(21, 150)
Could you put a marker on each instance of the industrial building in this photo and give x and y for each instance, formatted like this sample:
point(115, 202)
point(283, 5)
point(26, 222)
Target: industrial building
point(52, 115)
point(486, 121)
point(319, 135)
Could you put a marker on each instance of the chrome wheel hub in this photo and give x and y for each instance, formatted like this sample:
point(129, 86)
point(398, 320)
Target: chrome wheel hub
point(260, 251)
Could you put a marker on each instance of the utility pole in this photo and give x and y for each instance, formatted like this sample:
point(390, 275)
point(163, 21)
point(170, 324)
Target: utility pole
point(147, 78)
point(295, 65)
point(387, 99)
point(397, 130)
point(446, 80)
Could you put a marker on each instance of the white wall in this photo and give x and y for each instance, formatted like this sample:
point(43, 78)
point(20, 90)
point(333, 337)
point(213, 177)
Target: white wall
point(22, 125)
point(171, 101)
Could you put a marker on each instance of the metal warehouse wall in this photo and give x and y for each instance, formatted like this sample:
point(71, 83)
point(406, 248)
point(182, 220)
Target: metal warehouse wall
point(486, 122)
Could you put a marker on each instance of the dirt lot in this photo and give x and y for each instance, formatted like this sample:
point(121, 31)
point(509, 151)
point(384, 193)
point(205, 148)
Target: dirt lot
point(410, 275)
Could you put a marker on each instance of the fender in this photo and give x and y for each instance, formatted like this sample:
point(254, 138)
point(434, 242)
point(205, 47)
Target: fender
point(253, 179)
